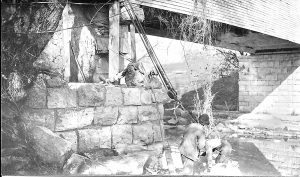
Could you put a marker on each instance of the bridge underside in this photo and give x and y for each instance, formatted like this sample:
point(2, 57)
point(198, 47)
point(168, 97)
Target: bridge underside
point(232, 37)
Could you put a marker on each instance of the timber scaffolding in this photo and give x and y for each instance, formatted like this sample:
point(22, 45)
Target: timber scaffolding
point(256, 31)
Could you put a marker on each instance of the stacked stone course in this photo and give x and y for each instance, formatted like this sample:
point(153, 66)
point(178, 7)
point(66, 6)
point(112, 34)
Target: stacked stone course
point(91, 115)
point(270, 84)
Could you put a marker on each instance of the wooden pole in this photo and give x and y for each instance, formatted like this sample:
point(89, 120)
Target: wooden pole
point(67, 23)
point(114, 39)
point(132, 43)
point(74, 67)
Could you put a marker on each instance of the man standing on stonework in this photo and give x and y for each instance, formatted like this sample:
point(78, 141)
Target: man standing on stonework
point(199, 141)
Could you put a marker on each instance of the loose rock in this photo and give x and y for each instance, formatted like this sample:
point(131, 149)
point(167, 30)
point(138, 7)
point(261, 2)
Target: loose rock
point(74, 164)
point(50, 147)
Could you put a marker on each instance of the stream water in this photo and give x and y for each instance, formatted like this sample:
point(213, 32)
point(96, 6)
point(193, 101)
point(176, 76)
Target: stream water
point(257, 156)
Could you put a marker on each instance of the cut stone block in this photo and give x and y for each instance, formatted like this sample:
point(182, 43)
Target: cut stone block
point(74, 118)
point(146, 96)
point(148, 112)
point(143, 133)
point(157, 127)
point(129, 148)
point(106, 115)
point(114, 96)
point(61, 98)
point(161, 110)
point(128, 114)
point(37, 95)
point(71, 137)
point(55, 82)
point(39, 117)
point(50, 147)
point(132, 96)
point(94, 138)
point(91, 95)
point(160, 96)
point(121, 134)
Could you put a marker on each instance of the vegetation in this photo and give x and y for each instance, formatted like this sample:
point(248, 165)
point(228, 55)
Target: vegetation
point(25, 30)
point(199, 29)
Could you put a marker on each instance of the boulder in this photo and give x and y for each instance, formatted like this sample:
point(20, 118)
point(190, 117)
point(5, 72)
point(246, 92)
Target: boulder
point(37, 95)
point(74, 164)
point(50, 147)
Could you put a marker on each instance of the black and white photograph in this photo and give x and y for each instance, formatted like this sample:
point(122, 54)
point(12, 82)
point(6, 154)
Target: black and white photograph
point(150, 87)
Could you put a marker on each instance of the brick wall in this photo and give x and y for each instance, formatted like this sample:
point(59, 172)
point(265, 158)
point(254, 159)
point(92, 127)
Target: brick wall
point(270, 84)
point(97, 116)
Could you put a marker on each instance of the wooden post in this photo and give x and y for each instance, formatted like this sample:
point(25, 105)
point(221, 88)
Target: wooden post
point(124, 47)
point(68, 21)
point(114, 39)
point(73, 65)
point(132, 43)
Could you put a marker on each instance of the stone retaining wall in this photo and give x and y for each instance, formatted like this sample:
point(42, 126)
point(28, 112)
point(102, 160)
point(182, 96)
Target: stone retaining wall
point(92, 115)
point(284, 155)
point(270, 84)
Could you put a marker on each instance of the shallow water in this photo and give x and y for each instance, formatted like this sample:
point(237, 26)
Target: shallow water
point(258, 157)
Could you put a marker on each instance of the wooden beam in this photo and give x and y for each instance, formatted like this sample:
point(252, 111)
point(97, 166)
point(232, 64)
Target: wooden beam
point(124, 46)
point(132, 43)
point(114, 39)
point(68, 20)
point(73, 65)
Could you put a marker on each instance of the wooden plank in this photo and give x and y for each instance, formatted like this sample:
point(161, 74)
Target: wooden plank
point(132, 43)
point(101, 45)
point(114, 39)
